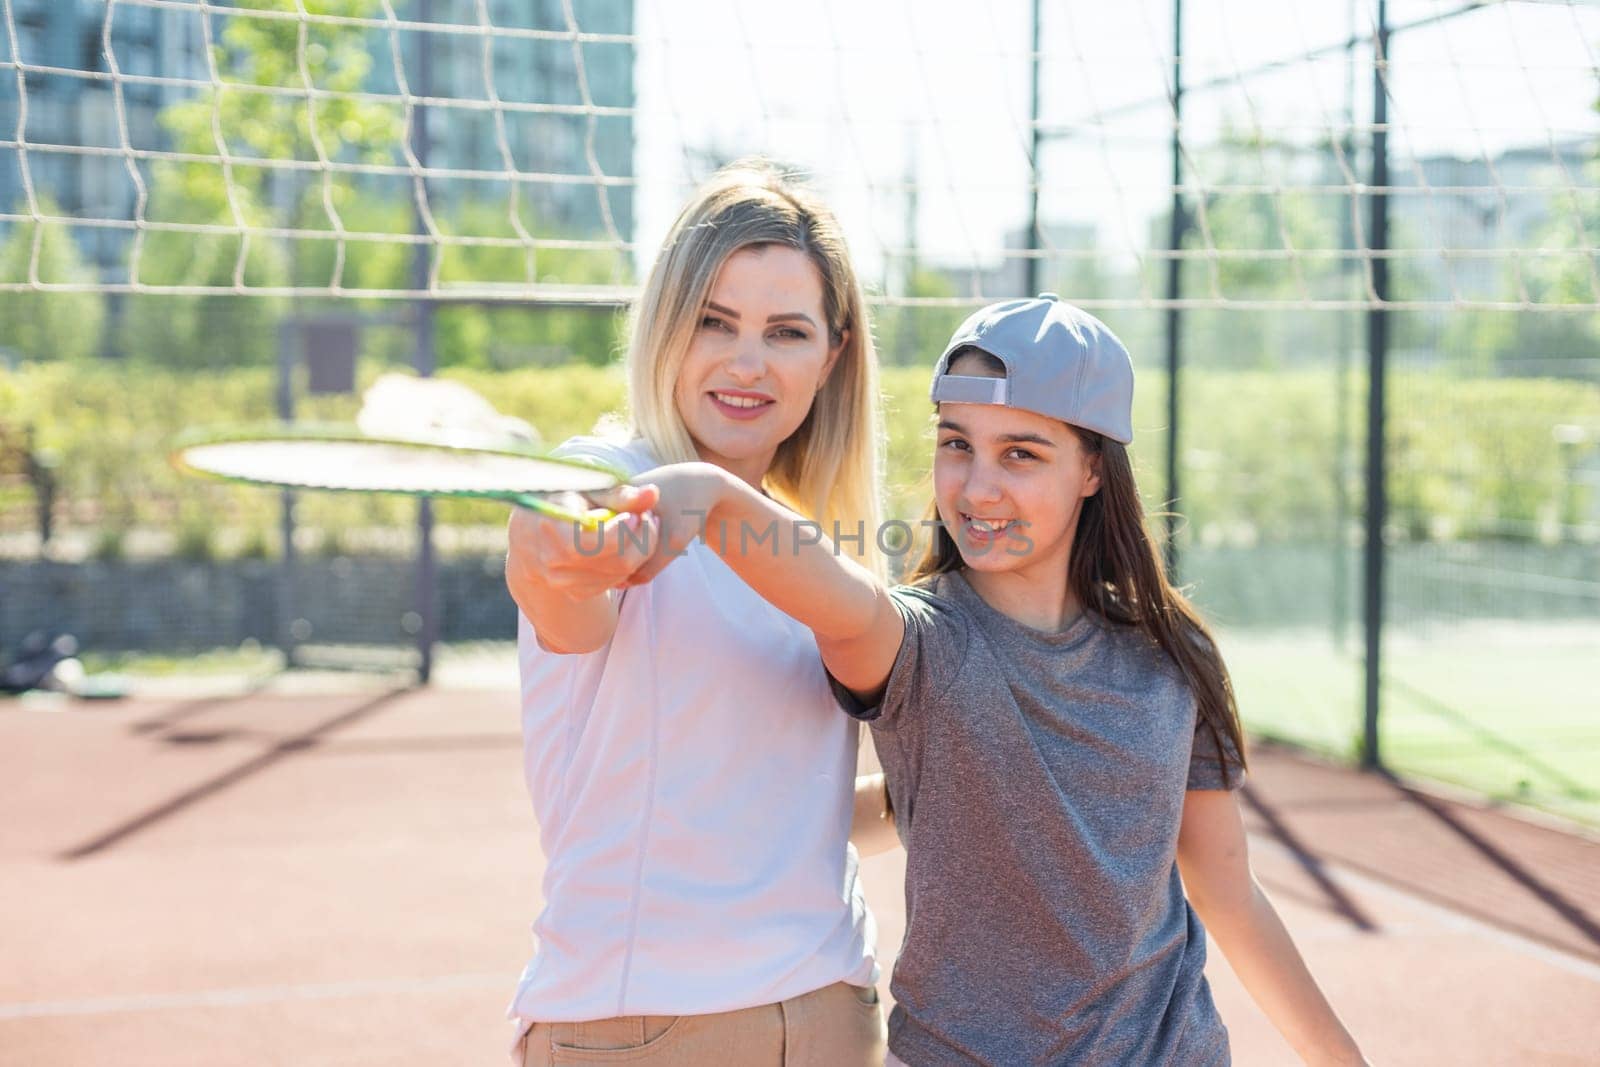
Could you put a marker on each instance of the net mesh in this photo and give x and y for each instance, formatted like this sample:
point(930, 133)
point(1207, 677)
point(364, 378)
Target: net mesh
point(535, 151)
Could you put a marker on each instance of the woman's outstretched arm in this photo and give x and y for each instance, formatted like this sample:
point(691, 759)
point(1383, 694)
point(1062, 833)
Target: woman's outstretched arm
point(1213, 857)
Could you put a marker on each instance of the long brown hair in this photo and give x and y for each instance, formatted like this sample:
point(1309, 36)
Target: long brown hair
point(1116, 572)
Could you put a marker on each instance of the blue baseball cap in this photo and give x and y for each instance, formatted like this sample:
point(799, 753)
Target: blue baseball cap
point(1060, 361)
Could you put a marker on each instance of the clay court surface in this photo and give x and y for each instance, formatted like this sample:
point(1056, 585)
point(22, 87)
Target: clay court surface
point(299, 876)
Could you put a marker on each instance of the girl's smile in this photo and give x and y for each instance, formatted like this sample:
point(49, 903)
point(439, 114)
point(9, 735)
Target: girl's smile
point(984, 533)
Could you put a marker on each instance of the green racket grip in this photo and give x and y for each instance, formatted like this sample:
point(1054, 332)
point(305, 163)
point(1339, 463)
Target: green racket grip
point(588, 521)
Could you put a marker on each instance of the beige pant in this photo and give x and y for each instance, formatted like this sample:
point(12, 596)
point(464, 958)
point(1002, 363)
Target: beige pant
point(839, 1025)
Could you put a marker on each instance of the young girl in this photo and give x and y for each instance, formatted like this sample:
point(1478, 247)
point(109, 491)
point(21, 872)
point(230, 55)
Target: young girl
point(692, 777)
point(1057, 728)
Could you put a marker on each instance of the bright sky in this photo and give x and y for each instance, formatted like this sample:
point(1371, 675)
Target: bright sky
point(867, 93)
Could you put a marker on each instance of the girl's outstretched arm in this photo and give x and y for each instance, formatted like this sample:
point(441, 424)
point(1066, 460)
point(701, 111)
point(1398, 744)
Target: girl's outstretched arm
point(788, 560)
point(1213, 857)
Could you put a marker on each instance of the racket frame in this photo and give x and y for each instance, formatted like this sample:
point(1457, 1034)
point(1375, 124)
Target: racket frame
point(466, 442)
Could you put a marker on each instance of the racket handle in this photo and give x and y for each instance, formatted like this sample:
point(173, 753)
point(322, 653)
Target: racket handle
point(588, 520)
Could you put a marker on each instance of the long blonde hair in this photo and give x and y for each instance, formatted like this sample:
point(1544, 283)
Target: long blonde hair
point(828, 469)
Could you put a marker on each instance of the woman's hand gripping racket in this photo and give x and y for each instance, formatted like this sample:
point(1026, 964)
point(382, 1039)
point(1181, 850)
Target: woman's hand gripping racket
point(450, 463)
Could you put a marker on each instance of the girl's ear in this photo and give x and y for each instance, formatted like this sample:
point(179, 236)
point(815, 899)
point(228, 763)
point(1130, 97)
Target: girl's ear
point(839, 339)
point(1091, 484)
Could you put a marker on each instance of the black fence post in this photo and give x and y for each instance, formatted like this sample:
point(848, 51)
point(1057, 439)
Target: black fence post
point(288, 348)
point(427, 609)
point(1030, 266)
point(1377, 366)
point(1175, 231)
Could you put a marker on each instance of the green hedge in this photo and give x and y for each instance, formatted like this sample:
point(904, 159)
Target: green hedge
point(1469, 458)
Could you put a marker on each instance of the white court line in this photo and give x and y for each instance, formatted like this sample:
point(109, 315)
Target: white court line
point(232, 998)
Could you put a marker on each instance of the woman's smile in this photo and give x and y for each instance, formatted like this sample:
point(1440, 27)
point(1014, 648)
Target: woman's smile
point(741, 405)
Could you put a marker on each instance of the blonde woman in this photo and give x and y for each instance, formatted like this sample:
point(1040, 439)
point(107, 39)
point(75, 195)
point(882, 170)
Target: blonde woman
point(691, 773)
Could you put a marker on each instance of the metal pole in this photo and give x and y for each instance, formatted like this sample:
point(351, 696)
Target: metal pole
point(1341, 449)
point(287, 331)
point(1377, 361)
point(427, 567)
point(1178, 222)
point(1030, 266)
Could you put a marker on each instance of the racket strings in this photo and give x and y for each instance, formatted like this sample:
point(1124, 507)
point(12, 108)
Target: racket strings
point(373, 466)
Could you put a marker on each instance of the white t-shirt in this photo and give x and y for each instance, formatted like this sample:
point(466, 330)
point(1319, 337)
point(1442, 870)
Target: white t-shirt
point(693, 782)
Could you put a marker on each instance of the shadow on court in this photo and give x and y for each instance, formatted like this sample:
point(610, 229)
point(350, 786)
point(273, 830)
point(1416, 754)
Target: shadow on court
point(279, 877)
point(276, 750)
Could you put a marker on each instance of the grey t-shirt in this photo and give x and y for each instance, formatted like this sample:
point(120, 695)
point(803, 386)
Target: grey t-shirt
point(1038, 781)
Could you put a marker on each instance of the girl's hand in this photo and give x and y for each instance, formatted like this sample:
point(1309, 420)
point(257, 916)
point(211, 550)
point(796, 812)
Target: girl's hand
point(686, 496)
point(577, 563)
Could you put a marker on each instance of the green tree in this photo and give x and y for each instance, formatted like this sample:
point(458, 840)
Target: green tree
point(215, 331)
point(45, 325)
point(1233, 226)
point(913, 335)
point(518, 335)
point(256, 54)
point(247, 122)
point(224, 330)
point(1549, 341)
point(1254, 204)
